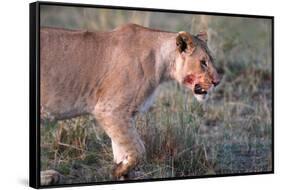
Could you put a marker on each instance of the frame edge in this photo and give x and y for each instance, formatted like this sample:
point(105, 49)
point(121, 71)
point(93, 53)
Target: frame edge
point(34, 175)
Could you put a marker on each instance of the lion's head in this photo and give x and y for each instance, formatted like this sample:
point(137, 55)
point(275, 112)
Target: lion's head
point(194, 64)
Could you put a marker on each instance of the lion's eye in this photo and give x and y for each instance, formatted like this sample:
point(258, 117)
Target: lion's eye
point(203, 64)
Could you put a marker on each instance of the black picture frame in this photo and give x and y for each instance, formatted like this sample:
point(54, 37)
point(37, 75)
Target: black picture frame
point(34, 91)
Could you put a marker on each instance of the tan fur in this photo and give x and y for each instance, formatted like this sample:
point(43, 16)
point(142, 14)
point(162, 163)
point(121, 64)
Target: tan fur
point(111, 74)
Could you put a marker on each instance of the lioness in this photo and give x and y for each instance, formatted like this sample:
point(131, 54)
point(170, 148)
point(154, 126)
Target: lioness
point(113, 75)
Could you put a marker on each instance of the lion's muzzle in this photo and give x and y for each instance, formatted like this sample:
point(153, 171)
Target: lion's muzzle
point(199, 90)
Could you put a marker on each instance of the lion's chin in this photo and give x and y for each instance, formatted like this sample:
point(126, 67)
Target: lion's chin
point(201, 97)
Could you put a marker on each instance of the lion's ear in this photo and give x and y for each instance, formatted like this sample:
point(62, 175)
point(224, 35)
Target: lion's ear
point(202, 36)
point(184, 42)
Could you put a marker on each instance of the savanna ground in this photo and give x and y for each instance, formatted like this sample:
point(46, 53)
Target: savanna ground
point(230, 133)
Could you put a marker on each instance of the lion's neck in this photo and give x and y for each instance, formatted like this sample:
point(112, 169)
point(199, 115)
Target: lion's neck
point(164, 64)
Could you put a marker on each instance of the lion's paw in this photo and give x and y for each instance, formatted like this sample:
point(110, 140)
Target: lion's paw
point(50, 177)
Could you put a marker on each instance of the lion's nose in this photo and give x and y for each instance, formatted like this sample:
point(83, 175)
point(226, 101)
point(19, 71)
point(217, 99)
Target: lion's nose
point(216, 82)
point(216, 78)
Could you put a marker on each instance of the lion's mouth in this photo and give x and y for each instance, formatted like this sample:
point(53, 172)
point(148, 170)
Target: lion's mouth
point(199, 90)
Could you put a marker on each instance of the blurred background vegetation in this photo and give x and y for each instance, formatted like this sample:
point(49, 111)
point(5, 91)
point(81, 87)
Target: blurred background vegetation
point(230, 133)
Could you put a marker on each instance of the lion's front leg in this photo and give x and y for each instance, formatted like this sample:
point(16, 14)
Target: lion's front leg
point(126, 161)
point(119, 154)
point(128, 149)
